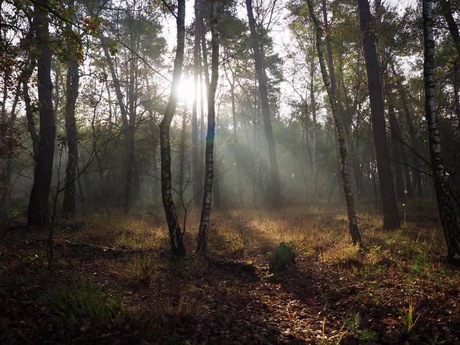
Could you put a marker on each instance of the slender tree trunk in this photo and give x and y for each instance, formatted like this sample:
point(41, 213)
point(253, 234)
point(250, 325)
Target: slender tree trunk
point(340, 130)
point(314, 125)
point(182, 153)
point(257, 188)
point(175, 233)
point(417, 178)
point(391, 219)
point(196, 71)
point(128, 125)
point(239, 187)
point(453, 28)
point(202, 240)
point(8, 133)
point(38, 202)
point(262, 80)
point(397, 156)
point(130, 169)
point(72, 85)
point(451, 23)
point(407, 171)
point(445, 205)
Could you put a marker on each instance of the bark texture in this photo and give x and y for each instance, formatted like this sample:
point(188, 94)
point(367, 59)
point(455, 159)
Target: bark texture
point(202, 240)
point(340, 129)
point(391, 219)
point(175, 233)
point(72, 86)
point(445, 205)
point(396, 153)
point(38, 202)
point(196, 184)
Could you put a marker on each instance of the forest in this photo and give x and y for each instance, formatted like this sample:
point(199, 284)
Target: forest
point(229, 172)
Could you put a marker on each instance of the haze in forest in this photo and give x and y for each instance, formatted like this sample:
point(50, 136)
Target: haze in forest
point(189, 145)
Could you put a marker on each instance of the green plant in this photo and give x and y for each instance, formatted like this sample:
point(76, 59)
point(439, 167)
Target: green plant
point(420, 262)
point(335, 340)
point(353, 325)
point(141, 269)
point(410, 320)
point(282, 259)
point(166, 314)
point(82, 304)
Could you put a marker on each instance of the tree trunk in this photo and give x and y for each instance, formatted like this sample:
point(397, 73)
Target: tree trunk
point(397, 155)
point(175, 233)
point(72, 85)
point(239, 187)
point(129, 130)
point(391, 219)
point(182, 154)
point(38, 202)
point(127, 127)
point(445, 206)
point(202, 240)
point(275, 186)
point(451, 23)
point(453, 28)
point(8, 133)
point(417, 178)
point(195, 142)
point(340, 130)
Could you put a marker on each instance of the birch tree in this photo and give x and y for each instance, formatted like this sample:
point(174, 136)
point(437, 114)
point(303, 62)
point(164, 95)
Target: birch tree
point(202, 240)
point(445, 206)
point(175, 233)
point(340, 130)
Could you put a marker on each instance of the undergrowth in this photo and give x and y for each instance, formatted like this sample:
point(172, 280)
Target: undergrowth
point(118, 280)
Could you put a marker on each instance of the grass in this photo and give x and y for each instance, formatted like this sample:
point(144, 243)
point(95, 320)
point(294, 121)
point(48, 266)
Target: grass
point(84, 305)
point(114, 279)
point(140, 269)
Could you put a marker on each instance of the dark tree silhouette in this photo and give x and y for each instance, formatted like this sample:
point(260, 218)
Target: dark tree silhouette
point(391, 219)
point(38, 202)
point(262, 80)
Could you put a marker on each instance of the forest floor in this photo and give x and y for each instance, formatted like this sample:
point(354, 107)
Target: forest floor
point(112, 281)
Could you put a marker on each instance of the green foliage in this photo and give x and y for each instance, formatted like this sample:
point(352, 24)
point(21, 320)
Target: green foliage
point(82, 304)
point(282, 259)
point(410, 319)
point(353, 325)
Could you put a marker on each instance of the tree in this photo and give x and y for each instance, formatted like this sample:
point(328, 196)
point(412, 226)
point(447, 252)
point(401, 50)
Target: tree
point(275, 185)
point(175, 233)
point(14, 73)
point(340, 130)
point(72, 86)
point(453, 27)
point(445, 206)
point(202, 240)
point(396, 138)
point(38, 202)
point(391, 219)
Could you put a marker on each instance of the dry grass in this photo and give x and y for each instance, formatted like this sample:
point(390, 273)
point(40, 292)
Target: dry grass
point(140, 269)
point(159, 296)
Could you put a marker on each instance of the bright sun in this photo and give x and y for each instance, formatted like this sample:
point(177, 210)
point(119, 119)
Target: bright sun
point(186, 91)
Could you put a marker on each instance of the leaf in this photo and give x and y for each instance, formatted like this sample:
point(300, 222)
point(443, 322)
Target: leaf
point(390, 322)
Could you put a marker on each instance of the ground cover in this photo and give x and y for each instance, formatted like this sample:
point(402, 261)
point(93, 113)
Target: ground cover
point(112, 281)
